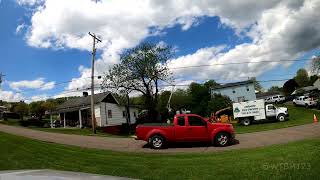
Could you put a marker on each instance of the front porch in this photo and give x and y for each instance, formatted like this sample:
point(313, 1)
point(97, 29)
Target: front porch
point(78, 118)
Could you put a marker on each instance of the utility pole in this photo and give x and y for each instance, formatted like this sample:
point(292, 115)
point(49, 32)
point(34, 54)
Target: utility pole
point(93, 116)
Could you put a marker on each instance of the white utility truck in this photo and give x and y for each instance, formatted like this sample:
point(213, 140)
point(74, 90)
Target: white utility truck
point(257, 110)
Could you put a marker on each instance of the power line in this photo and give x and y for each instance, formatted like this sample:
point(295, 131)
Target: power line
point(237, 63)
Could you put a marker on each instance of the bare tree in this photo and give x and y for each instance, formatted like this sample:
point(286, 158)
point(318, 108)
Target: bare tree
point(140, 70)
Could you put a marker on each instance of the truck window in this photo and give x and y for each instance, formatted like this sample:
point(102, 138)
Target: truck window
point(181, 121)
point(195, 121)
point(271, 107)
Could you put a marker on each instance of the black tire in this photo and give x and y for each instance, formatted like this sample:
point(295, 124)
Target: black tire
point(294, 104)
point(221, 139)
point(307, 106)
point(157, 142)
point(245, 122)
point(281, 117)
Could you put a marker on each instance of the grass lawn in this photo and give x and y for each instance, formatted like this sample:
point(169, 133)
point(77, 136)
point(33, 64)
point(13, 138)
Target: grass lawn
point(297, 116)
point(298, 160)
point(12, 122)
point(86, 131)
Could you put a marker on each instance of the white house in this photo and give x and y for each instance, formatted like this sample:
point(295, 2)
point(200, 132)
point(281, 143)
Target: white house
point(237, 92)
point(108, 112)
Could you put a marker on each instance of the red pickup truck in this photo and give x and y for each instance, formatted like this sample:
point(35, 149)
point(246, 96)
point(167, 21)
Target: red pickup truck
point(186, 128)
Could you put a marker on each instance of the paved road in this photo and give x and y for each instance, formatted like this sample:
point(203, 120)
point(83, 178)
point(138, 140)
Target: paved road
point(249, 140)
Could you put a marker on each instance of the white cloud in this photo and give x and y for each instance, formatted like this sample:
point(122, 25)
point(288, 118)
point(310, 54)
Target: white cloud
point(279, 30)
point(10, 96)
point(34, 84)
point(281, 33)
point(41, 97)
point(29, 2)
point(20, 28)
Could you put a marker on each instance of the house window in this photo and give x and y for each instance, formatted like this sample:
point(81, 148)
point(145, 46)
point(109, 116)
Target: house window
point(123, 113)
point(109, 114)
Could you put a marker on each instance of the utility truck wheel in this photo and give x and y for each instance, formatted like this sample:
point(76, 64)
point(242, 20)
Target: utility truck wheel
point(246, 122)
point(281, 117)
point(157, 142)
point(221, 139)
point(307, 106)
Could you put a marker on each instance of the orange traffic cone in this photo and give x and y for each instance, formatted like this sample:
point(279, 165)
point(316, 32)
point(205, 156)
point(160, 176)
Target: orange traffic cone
point(315, 119)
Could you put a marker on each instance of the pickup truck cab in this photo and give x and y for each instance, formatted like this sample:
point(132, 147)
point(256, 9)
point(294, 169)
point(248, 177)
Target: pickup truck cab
point(185, 128)
point(304, 101)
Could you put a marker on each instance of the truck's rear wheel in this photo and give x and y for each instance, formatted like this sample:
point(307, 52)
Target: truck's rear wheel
point(246, 122)
point(157, 142)
point(281, 117)
point(222, 139)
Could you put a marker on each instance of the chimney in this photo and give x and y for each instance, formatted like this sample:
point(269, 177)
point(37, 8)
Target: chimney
point(85, 94)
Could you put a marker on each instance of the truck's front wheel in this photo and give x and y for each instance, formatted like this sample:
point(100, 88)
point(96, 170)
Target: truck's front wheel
point(221, 139)
point(157, 142)
point(246, 122)
point(281, 117)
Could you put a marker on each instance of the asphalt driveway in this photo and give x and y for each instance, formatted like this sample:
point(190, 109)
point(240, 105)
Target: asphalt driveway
point(249, 140)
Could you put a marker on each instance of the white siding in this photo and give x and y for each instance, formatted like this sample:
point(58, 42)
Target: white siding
point(97, 111)
point(238, 92)
point(132, 111)
point(117, 114)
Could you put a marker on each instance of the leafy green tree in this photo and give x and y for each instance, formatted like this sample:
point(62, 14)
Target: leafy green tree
point(200, 96)
point(211, 84)
point(257, 85)
point(275, 89)
point(181, 100)
point(141, 69)
point(22, 109)
point(313, 79)
point(37, 109)
point(289, 86)
point(218, 102)
point(302, 77)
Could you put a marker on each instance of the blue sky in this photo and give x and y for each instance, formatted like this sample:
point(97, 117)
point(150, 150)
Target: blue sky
point(37, 55)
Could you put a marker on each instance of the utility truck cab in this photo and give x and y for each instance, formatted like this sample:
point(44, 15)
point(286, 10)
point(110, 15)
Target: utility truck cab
point(247, 112)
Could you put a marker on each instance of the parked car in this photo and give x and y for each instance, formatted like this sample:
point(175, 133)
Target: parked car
point(275, 99)
point(305, 101)
point(185, 128)
point(257, 110)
